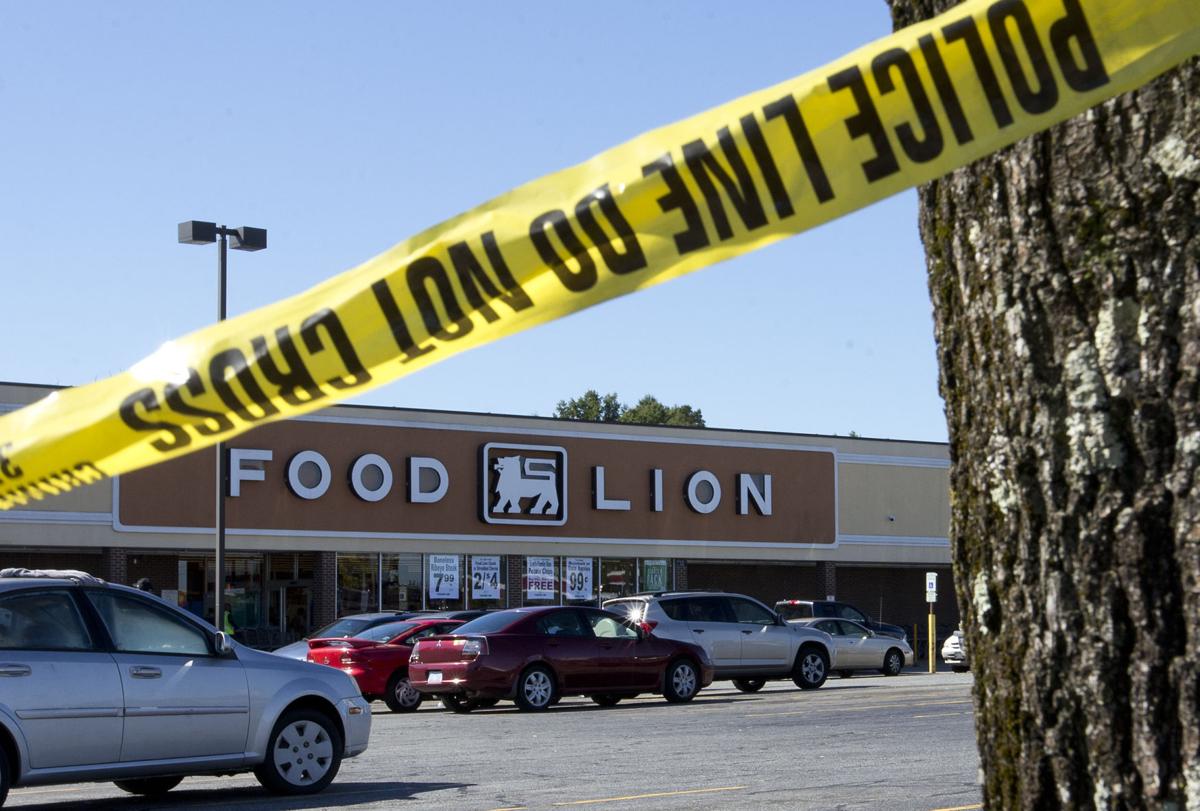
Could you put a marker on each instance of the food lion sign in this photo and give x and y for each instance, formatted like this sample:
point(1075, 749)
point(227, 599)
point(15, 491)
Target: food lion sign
point(523, 484)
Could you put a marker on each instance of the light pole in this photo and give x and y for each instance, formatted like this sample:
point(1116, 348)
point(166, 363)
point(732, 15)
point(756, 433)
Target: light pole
point(195, 232)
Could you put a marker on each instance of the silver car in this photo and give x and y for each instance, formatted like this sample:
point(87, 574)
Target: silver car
point(954, 652)
point(860, 648)
point(747, 642)
point(104, 682)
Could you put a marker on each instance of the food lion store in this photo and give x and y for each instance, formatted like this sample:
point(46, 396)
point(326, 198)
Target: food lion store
point(357, 509)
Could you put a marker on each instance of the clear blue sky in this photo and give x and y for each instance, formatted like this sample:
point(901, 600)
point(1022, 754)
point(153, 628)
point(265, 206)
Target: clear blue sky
point(343, 128)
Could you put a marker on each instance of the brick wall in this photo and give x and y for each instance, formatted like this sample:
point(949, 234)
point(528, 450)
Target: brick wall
point(90, 562)
point(163, 570)
point(325, 589)
point(897, 595)
point(765, 582)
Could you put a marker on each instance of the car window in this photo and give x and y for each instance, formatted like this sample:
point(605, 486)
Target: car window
point(489, 623)
point(849, 612)
point(136, 626)
point(824, 610)
point(385, 632)
point(750, 613)
point(708, 609)
point(42, 620)
point(634, 610)
point(610, 627)
point(854, 629)
point(832, 627)
point(562, 623)
point(342, 627)
point(675, 609)
point(794, 611)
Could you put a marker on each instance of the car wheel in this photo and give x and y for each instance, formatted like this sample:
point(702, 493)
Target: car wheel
point(606, 699)
point(484, 703)
point(148, 786)
point(457, 703)
point(812, 667)
point(682, 682)
point(893, 662)
point(959, 668)
point(749, 685)
point(401, 696)
point(535, 689)
point(304, 754)
point(845, 674)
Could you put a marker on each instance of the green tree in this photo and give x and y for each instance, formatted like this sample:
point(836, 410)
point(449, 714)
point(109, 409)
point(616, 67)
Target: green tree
point(590, 406)
point(649, 410)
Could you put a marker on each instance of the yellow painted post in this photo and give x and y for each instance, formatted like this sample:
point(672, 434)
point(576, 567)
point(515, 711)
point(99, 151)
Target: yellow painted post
point(932, 640)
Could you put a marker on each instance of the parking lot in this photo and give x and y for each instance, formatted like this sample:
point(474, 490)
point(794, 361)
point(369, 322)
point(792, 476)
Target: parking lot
point(860, 743)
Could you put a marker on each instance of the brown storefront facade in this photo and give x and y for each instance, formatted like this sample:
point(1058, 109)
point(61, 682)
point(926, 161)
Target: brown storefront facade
point(361, 508)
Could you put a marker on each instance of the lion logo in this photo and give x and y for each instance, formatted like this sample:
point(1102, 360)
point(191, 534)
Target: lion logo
point(523, 484)
point(534, 479)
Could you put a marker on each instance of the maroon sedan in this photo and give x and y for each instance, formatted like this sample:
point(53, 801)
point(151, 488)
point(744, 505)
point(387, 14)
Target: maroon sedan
point(377, 658)
point(533, 656)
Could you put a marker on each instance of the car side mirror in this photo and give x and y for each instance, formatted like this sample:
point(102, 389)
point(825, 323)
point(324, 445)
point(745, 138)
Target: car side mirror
point(222, 644)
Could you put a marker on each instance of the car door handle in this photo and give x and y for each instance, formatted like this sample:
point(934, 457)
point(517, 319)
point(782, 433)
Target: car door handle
point(745, 631)
point(140, 672)
point(697, 630)
point(15, 670)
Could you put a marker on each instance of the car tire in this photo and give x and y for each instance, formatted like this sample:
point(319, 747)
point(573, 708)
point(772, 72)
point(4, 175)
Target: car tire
point(148, 786)
point(303, 754)
point(606, 699)
point(484, 703)
point(5, 777)
point(458, 703)
point(401, 696)
point(681, 682)
point(749, 685)
point(535, 689)
point(893, 662)
point(812, 668)
point(845, 674)
point(959, 668)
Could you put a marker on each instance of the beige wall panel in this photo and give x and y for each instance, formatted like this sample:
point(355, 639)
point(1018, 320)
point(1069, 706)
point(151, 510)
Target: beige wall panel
point(918, 498)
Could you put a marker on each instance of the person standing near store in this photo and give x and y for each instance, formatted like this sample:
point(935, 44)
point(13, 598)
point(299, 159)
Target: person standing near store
point(227, 623)
point(144, 584)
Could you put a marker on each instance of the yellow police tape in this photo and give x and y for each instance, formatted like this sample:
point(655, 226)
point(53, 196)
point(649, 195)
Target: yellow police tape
point(900, 111)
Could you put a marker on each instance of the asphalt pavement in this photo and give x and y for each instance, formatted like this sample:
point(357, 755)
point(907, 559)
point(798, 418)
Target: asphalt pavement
point(861, 743)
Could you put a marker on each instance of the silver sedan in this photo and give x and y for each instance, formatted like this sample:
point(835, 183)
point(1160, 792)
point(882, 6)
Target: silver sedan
point(859, 648)
point(103, 682)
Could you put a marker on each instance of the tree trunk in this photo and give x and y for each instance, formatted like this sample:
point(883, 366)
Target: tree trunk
point(1065, 278)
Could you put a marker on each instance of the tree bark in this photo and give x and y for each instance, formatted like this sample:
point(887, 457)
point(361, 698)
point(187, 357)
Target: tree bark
point(1065, 278)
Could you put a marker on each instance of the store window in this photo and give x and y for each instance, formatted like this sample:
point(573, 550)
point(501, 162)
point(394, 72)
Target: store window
point(487, 581)
point(402, 589)
point(655, 575)
point(444, 584)
point(358, 584)
point(618, 578)
point(540, 585)
point(579, 581)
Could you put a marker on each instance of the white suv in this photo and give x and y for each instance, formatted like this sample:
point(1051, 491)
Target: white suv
point(747, 642)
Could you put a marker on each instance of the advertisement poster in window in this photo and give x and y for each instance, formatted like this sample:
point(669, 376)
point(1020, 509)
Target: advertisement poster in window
point(485, 577)
point(654, 575)
point(443, 577)
point(539, 578)
point(579, 579)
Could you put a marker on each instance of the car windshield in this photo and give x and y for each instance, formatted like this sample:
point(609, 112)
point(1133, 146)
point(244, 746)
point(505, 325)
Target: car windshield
point(382, 633)
point(342, 627)
point(488, 623)
point(790, 611)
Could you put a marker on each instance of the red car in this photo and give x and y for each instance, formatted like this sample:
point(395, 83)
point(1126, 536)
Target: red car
point(377, 658)
point(533, 656)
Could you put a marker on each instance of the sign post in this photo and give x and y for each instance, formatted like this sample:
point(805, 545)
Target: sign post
point(931, 598)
